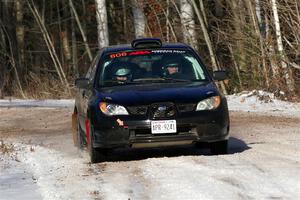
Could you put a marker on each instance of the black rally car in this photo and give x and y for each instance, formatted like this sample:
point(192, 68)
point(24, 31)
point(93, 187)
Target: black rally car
point(149, 94)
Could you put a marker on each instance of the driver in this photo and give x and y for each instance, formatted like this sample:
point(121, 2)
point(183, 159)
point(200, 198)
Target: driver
point(172, 68)
point(123, 75)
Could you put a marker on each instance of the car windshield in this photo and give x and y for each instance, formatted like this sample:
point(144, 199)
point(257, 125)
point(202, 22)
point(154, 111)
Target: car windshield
point(150, 66)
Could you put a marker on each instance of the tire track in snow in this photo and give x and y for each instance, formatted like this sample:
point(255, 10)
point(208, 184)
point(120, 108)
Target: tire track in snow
point(58, 176)
point(123, 180)
point(254, 167)
point(182, 178)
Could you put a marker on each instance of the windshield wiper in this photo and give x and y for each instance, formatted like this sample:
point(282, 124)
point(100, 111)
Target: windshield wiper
point(177, 80)
point(160, 79)
point(109, 83)
point(148, 79)
point(199, 80)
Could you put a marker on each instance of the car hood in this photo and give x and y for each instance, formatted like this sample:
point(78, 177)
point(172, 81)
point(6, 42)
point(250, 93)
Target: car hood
point(146, 94)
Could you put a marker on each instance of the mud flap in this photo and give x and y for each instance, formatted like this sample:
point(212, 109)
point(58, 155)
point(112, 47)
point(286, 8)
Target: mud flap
point(87, 128)
point(74, 129)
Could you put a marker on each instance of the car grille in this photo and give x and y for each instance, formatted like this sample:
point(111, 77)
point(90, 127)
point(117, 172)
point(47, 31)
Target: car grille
point(162, 110)
point(186, 107)
point(169, 111)
point(137, 110)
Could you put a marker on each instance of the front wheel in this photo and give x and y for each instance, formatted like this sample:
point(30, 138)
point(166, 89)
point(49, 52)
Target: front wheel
point(96, 154)
point(219, 148)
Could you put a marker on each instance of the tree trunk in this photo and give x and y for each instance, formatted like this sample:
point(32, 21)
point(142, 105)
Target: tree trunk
point(125, 31)
point(66, 46)
point(256, 25)
point(3, 63)
point(19, 4)
point(101, 15)
point(10, 32)
point(138, 18)
point(236, 67)
point(202, 8)
point(11, 60)
point(286, 71)
point(238, 33)
point(259, 17)
point(187, 20)
point(74, 46)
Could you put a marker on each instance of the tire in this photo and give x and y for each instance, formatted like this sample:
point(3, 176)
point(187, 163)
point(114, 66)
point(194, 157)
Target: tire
point(96, 154)
point(219, 148)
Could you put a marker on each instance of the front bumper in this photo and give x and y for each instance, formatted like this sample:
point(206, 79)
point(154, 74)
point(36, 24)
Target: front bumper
point(206, 126)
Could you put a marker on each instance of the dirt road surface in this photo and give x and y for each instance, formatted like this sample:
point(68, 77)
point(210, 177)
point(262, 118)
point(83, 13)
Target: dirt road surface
point(38, 161)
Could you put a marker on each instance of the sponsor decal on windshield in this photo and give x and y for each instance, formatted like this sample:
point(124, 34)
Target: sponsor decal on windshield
point(135, 53)
point(118, 55)
point(139, 53)
point(168, 51)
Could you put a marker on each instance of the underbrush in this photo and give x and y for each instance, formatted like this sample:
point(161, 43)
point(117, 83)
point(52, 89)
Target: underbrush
point(47, 87)
point(6, 148)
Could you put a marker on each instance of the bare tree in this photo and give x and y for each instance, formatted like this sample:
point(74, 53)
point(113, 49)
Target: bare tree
point(257, 24)
point(187, 20)
point(11, 59)
point(208, 42)
point(74, 45)
point(49, 43)
point(88, 50)
point(12, 55)
point(19, 4)
point(101, 15)
point(138, 18)
point(287, 73)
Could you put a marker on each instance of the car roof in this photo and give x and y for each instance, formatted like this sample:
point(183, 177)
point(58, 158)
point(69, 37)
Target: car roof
point(126, 47)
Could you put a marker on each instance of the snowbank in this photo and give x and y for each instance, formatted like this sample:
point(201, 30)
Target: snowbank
point(49, 103)
point(262, 102)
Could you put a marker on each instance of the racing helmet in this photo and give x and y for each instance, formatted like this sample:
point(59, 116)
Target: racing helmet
point(123, 72)
point(173, 63)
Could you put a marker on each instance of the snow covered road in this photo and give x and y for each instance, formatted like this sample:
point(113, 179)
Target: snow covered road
point(263, 163)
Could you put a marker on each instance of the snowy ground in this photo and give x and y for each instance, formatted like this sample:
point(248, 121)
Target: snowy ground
point(38, 160)
point(262, 103)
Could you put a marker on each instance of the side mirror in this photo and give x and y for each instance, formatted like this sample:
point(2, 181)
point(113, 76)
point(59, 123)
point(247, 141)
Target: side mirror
point(82, 83)
point(220, 75)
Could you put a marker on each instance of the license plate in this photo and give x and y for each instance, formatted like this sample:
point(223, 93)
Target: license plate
point(163, 126)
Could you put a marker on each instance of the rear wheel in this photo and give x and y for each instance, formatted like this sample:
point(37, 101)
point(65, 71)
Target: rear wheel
point(220, 147)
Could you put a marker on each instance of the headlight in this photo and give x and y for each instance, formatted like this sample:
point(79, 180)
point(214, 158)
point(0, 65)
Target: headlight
point(209, 104)
point(112, 109)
